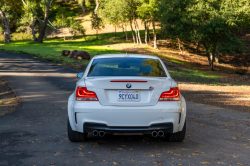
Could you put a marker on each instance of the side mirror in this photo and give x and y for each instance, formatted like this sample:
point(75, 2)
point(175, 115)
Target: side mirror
point(79, 75)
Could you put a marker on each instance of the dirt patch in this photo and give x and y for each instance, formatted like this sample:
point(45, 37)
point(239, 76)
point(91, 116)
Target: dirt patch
point(8, 99)
point(231, 97)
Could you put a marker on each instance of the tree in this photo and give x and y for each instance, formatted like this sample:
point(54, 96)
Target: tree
point(119, 13)
point(110, 11)
point(96, 23)
point(76, 27)
point(149, 11)
point(217, 23)
point(29, 6)
point(175, 20)
point(47, 4)
point(6, 26)
point(10, 13)
point(128, 9)
point(212, 23)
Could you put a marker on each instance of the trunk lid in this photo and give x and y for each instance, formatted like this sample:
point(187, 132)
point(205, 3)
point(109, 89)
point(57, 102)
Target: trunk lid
point(107, 89)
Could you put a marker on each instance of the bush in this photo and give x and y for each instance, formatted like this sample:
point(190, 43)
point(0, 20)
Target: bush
point(19, 36)
point(76, 28)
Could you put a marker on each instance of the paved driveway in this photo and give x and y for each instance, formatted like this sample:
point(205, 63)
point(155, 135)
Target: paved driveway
point(36, 133)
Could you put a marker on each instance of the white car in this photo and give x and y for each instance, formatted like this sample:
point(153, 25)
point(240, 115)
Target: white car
point(126, 94)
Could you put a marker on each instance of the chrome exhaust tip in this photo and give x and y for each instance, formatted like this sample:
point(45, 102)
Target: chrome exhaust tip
point(95, 133)
point(101, 133)
point(160, 133)
point(154, 133)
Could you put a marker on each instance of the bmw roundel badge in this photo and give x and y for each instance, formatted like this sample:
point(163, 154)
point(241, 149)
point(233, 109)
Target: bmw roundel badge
point(128, 85)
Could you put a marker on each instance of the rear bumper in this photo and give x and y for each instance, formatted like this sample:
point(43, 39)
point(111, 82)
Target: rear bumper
point(167, 116)
point(166, 127)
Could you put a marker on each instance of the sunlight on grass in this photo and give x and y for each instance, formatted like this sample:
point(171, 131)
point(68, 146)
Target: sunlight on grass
point(52, 48)
point(192, 75)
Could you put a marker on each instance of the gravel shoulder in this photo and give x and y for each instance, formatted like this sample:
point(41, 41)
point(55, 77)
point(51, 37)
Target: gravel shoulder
point(8, 99)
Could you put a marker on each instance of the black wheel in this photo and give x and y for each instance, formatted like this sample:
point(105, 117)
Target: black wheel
point(75, 136)
point(177, 137)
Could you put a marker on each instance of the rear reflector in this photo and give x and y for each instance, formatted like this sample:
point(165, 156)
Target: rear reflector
point(172, 95)
point(131, 81)
point(82, 94)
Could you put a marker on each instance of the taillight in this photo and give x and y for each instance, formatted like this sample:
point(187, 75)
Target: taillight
point(82, 94)
point(172, 95)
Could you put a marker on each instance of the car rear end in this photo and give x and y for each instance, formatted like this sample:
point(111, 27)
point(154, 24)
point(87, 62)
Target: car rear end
point(127, 94)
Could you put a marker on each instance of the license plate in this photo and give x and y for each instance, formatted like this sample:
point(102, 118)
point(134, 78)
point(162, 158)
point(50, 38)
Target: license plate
point(128, 95)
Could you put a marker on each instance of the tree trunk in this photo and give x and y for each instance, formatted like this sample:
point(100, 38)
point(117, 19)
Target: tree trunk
point(155, 40)
point(197, 46)
point(132, 30)
point(51, 25)
point(179, 43)
point(146, 34)
point(123, 31)
point(83, 10)
point(138, 31)
point(161, 30)
point(136, 36)
point(44, 26)
point(5, 27)
point(217, 55)
point(126, 33)
point(33, 29)
point(148, 24)
point(97, 6)
point(62, 21)
point(210, 57)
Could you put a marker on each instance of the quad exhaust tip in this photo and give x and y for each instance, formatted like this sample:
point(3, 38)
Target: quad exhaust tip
point(160, 133)
point(98, 133)
point(101, 133)
point(154, 133)
point(95, 133)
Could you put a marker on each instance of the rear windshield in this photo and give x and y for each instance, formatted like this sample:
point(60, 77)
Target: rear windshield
point(126, 67)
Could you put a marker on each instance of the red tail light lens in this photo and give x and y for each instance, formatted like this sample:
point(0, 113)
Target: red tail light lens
point(82, 94)
point(172, 95)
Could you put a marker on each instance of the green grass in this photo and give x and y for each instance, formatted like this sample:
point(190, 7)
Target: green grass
point(51, 48)
point(192, 75)
point(201, 77)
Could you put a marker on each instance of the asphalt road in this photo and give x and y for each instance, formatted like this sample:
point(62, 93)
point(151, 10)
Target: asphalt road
point(36, 134)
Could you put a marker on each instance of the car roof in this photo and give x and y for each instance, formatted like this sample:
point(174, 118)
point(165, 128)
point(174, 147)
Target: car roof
point(125, 55)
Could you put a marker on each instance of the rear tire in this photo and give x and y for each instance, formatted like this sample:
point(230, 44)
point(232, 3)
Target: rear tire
point(75, 136)
point(177, 137)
